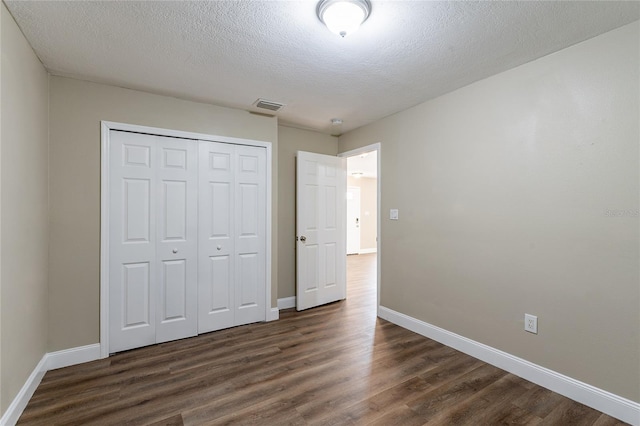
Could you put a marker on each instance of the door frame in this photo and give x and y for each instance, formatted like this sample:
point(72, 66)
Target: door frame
point(351, 153)
point(106, 126)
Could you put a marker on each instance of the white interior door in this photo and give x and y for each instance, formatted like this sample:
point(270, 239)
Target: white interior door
point(152, 240)
point(321, 229)
point(353, 220)
point(232, 248)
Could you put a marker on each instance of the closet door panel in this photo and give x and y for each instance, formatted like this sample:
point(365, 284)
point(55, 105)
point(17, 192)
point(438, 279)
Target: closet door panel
point(136, 199)
point(220, 284)
point(247, 285)
point(135, 295)
point(174, 289)
point(132, 242)
point(216, 274)
point(177, 236)
point(187, 237)
point(250, 208)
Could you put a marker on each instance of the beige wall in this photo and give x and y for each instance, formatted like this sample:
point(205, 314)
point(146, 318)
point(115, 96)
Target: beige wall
point(76, 110)
point(290, 141)
point(368, 210)
point(24, 208)
point(505, 190)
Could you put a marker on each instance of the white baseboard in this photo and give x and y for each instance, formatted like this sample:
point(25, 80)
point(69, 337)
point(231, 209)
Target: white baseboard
point(273, 315)
point(19, 403)
point(73, 356)
point(368, 250)
point(287, 302)
point(601, 400)
point(50, 361)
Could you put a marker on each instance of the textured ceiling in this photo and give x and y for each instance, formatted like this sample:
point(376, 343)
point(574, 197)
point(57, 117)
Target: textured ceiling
point(232, 52)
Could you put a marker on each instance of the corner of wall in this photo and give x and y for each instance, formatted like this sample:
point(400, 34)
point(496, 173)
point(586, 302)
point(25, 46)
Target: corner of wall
point(25, 122)
point(48, 206)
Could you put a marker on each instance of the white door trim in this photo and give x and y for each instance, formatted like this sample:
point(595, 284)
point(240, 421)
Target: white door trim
point(106, 127)
point(374, 147)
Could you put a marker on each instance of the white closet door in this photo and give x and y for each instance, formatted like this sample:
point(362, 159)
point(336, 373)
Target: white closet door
point(232, 228)
point(132, 242)
point(216, 273)
point(250, 209)
point(153, 240)
point(177, 238)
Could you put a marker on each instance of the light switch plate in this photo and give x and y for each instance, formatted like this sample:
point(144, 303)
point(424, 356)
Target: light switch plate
point(393, 214)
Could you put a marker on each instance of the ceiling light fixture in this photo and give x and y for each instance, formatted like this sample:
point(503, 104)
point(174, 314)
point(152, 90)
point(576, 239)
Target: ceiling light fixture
point(343, 17)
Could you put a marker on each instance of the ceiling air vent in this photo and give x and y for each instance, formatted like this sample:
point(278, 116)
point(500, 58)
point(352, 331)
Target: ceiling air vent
point(268, 105)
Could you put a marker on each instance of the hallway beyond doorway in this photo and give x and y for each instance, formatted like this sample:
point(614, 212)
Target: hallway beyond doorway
point(361, 281)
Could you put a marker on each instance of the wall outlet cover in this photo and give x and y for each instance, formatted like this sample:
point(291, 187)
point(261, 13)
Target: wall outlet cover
point(531, 323)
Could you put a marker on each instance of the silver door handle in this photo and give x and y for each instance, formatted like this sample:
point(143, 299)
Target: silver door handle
point(175, 250)
point(303, 238)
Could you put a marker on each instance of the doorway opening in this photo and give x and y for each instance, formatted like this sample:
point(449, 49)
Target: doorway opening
point(321, 227)
point(363, 227)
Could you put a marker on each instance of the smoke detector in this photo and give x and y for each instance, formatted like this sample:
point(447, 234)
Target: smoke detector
point(336, 126)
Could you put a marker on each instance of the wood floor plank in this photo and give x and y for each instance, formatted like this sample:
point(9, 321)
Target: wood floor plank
point(171, 421)
point(401, 415)
point(450, 395)
point(376, 406)
point(487, 406)
point(569, 413)
point(337, 364)
point(539, 401)
point(605, 420)
point(517, 416)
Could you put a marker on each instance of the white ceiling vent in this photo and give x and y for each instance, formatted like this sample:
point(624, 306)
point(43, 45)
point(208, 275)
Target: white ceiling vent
point(268, 105)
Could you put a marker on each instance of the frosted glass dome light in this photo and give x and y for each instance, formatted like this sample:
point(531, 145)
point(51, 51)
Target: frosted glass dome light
point(343, 17)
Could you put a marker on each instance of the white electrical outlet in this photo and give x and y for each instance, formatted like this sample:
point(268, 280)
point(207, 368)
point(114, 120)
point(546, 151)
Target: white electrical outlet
point(531, 323)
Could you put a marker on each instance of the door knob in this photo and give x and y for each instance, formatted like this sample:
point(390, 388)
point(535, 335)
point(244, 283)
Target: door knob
point(219, 248)
point(175, 250)
point(303, 238)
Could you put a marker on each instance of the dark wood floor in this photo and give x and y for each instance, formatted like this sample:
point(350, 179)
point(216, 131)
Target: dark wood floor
point(335, 365)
